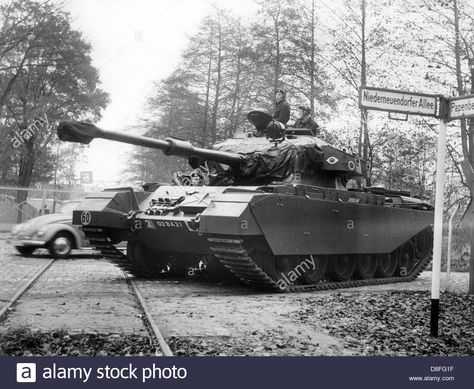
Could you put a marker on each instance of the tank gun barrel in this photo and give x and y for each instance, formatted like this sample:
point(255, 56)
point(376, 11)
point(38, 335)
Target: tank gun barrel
point(82, 132)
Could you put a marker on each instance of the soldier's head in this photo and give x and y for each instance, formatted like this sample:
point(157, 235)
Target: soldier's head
point(305, 110)
point(280, 95)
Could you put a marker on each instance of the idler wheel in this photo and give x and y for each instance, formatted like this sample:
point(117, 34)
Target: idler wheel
point(341, 267)
point(366, 265)
point(406, 259)
point(317, 269)
point(386, 265)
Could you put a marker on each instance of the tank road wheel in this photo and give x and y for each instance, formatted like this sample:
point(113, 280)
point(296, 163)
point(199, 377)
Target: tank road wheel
point(366, 264)
point(341, 267)
point(281, 269)
point(406, 259)
point(179, 266)
point(284, 265)
point(136, 255)
point(144, 259)
point(386, 265)
point(313, 276)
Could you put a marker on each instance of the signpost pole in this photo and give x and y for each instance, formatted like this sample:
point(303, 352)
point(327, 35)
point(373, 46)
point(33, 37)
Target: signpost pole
point(461, 107)
point(438, 227)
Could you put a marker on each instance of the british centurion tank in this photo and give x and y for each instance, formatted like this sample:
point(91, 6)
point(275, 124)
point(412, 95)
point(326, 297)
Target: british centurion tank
point(273, 209)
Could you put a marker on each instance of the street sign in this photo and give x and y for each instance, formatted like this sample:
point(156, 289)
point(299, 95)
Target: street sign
point(398, 101)
point(461, 107)
point(86, 177)
point(422, 104)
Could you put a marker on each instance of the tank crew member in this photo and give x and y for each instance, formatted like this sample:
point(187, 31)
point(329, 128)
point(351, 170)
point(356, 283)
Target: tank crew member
point(306, 121)
point(282, 108)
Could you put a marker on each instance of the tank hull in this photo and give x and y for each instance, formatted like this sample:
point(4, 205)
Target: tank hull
point(298, 225)
point(261, 232)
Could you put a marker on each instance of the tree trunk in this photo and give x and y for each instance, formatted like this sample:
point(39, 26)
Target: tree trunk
point(313, 54)
point(276, 25)
point(215, 107)
point(364, 130)
point(27, 163)
point(235, 98)
point(3, 97)
point(467, 138)
point(206, 105)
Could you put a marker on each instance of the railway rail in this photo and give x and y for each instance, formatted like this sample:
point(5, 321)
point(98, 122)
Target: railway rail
point(150, 325)
point(23, 289)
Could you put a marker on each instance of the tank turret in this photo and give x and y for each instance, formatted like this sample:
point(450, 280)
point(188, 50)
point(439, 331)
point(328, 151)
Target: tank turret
point(293, 156)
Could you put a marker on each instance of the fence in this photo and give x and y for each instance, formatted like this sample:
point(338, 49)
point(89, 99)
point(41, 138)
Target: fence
point(18, 205)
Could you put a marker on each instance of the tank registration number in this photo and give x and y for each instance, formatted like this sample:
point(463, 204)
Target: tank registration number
point(138, 225)
point(169, 224)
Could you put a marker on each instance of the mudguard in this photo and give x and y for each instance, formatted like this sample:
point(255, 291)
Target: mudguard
point(294, 225)
point(53, 229)
point(106, 209)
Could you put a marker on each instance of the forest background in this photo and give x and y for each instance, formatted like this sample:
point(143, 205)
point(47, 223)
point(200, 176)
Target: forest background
point(319, 51)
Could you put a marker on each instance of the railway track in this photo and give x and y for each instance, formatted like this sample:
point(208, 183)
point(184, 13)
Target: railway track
point(23, 289)
point(40, 276)
point(152, 327)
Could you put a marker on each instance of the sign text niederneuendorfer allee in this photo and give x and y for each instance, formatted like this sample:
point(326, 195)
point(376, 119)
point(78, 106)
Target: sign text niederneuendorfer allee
point(411, 102)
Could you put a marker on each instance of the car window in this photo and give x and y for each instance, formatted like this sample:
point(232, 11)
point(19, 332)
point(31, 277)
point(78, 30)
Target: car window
point(67, 208)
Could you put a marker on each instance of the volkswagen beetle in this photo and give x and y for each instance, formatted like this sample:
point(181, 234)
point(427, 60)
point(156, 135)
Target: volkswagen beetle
point(53, 232)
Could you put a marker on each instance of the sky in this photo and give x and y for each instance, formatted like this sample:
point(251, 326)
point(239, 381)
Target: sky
point(134, 43)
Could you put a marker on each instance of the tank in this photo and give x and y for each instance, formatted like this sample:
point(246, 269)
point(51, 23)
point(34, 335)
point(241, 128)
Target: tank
point(271, 208)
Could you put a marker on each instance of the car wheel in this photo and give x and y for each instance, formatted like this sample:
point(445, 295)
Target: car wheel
point(60, 246)
point(25, 250)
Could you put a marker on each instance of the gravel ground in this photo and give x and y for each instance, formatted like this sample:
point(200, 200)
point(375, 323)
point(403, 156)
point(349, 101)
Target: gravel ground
point(77, 295)
point(227, 319)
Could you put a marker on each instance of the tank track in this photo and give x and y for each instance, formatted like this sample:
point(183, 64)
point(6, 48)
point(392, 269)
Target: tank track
point(98, 239)
point(231, 252)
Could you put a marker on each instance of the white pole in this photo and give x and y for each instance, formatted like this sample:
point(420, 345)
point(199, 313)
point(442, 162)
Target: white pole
point(450, 238)
point(438, 227)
